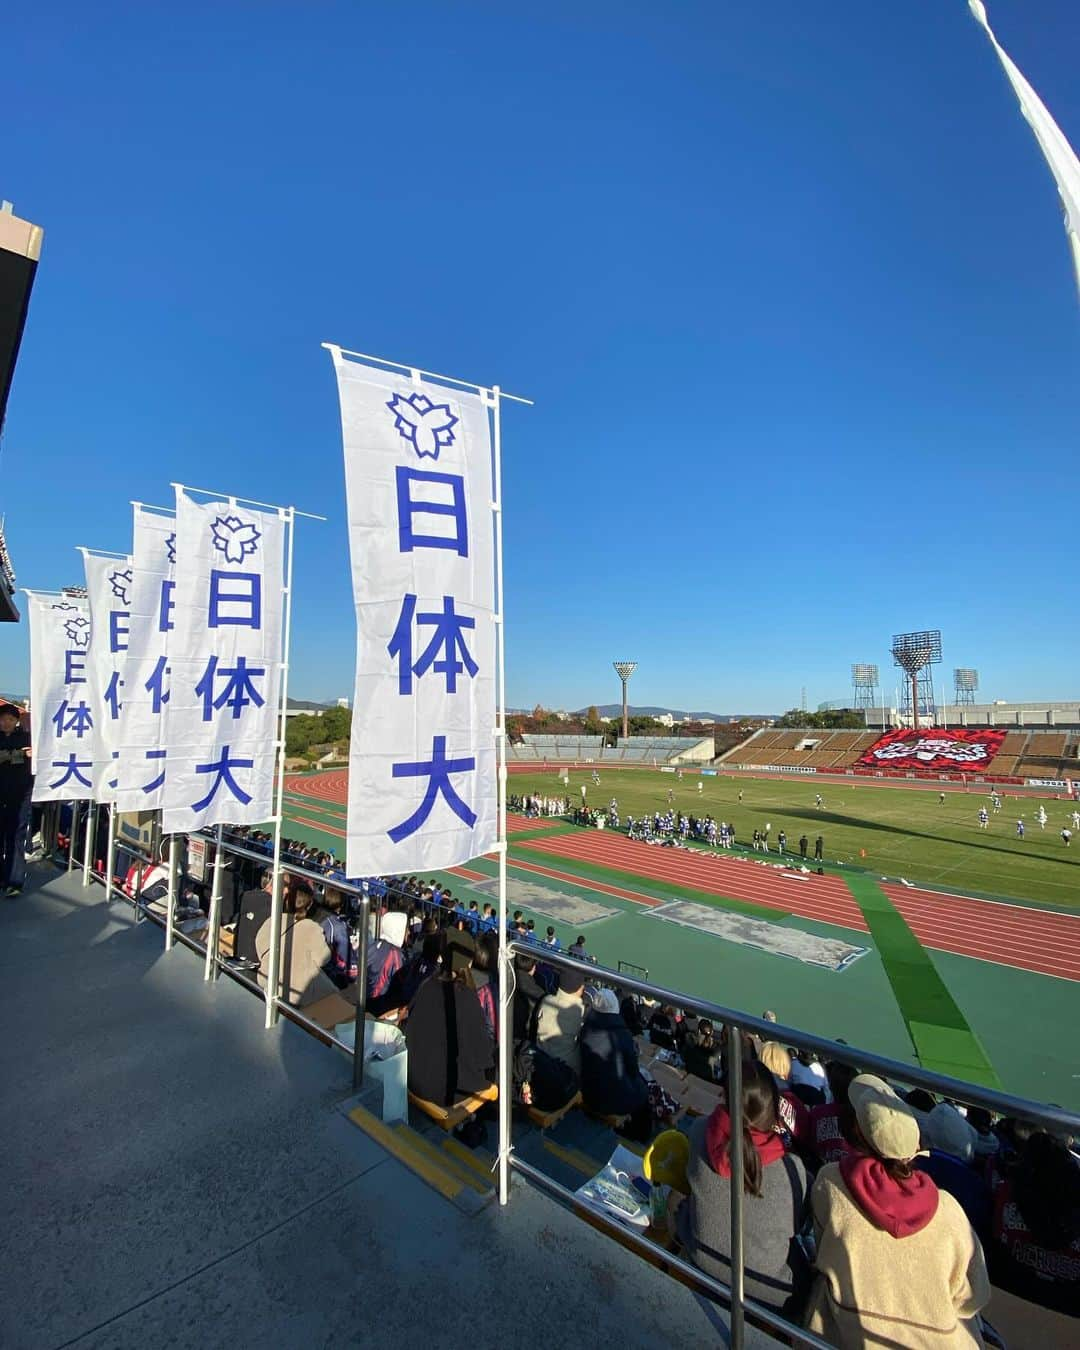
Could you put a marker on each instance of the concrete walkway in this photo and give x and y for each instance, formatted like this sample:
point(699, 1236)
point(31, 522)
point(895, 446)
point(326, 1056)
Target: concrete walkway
point(173, 1175)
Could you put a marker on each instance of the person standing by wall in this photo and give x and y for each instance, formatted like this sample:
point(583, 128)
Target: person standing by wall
point(16, 782)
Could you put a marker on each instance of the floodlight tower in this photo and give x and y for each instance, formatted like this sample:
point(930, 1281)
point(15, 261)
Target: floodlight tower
point(864, 679)
point(965, 682)
point(624, 669)
point(915, 653)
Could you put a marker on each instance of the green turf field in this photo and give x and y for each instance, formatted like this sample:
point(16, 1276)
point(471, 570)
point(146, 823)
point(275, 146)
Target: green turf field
point(902, 832)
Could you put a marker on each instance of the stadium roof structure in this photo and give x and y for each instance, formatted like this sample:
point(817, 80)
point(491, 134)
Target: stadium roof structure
point(20, 248)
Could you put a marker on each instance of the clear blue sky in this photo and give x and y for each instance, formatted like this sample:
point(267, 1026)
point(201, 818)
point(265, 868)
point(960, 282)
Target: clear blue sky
point(787, 282)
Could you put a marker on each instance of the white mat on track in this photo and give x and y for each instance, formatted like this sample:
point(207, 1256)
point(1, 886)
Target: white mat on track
point(830, 953)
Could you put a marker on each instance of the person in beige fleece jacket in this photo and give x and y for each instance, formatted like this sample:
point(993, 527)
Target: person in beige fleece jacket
point(898, 1264)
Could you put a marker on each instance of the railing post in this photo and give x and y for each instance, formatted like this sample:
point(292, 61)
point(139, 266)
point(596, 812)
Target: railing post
point(735, 1115)
point(72, 831)
point(91, 840)
point(210, 971)
point(174, 886)
point(136, 897)
point(361, 997)
point(110, 852)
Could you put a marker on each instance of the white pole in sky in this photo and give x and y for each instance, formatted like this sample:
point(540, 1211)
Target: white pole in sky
point(273, 972)
point(1060, 155)
point(505, 1079)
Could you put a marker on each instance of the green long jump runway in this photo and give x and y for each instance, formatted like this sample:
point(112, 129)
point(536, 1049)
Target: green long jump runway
point(947, 1010)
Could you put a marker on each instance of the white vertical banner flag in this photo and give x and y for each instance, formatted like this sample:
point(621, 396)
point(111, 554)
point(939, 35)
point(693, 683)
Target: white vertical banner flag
point(141, 763)
point(1059, 153)
point(224, 658)
point(422, 761)
point(61, 713)
point(108, 589)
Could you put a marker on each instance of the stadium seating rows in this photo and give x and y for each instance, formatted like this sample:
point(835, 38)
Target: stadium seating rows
point(1023, 754)
point(573, 749)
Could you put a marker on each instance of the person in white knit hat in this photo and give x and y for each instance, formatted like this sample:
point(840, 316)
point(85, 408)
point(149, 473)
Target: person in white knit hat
point(897, 1261)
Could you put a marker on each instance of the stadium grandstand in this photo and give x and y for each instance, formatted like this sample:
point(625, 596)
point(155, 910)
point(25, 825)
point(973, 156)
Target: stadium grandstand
point(574, 749)
point(1043, 758)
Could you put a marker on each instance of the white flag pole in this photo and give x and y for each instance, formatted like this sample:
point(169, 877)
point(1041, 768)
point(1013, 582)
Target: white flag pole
point(273, 973)
point(91, 832)
point(110, 850)
point(505, 971)
point(1059, 154)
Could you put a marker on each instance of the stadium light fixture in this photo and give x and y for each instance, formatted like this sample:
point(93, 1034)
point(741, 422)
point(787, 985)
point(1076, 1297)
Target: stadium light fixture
point(965, 682)
point(624, 669)
point(915, 653)
point(864, 680)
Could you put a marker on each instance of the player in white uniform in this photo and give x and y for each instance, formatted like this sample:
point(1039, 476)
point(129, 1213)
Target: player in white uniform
point(700, 787)
point(1041, 817)
point(1076, 820)
point(984, 817)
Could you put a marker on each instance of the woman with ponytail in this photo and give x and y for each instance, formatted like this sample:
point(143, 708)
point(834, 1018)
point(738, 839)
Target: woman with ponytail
point(774, 1210)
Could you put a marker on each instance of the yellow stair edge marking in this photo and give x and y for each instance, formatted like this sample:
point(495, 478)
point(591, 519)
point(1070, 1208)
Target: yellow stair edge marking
point(581, 1162)
point(439, 1159)
point(479, 1163)
point(399, 1146)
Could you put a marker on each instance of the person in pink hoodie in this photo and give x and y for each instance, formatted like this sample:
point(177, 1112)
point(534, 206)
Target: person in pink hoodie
point(897, 1263)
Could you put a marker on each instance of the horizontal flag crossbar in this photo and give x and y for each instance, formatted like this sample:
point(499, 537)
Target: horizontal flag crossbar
point(338, 352)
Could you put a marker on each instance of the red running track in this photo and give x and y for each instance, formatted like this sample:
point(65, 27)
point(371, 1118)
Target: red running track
point(326, 787)
point(825, 899)
point(1008, 935)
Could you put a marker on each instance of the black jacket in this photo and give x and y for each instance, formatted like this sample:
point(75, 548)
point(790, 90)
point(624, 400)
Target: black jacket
point(253, 912)
point(451, 1052)
point(15, 777)
point(611, 1082)
point(528, 992)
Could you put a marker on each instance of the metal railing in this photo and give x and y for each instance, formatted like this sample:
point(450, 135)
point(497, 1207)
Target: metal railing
point(737, 1025)
point(740, 1024)
point(214, 963)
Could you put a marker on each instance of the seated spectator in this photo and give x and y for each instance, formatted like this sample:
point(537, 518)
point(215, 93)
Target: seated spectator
point(777, 1060)
point(631, 1015)
point(558, 1021)
point(830, 1135)
point(342, 966)
point(701, 1052)
point(662, 1028)
point(794, 1114)
point(577, 949)
point(897, 1261)
point(1034, 1246)
point(253, 912)
point(920, 1100)
point(528, 994)
point(986, 1141)
point(384, 960)
point(611, 1081)
point(303, 952)
point(451, 1051)
point(485, 978)
point(951, 1142)
point(808, 1078)
point(774, 1209)
point(408, 978)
